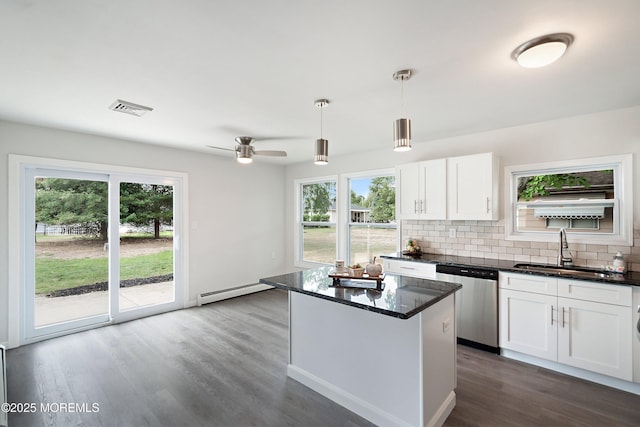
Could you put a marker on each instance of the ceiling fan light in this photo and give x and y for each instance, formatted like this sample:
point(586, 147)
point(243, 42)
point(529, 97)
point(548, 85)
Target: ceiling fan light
point(542, 51)
point(322, 152)
point(243, 154)
point(402, 135)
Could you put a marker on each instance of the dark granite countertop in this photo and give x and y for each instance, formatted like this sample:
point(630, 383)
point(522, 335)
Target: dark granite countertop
point(629, 278)
point(401, 296)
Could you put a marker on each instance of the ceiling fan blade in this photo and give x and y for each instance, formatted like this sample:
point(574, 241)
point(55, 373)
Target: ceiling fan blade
point(220, 148)
point(272, 153)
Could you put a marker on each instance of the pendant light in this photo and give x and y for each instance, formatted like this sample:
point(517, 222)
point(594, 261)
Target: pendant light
point(542, 50)
point(402, 126)
point(322, 145)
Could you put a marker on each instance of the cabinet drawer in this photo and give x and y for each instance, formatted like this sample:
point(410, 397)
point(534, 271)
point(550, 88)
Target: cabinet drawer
point(596, 292)
point(422, 270)
point(528, 283)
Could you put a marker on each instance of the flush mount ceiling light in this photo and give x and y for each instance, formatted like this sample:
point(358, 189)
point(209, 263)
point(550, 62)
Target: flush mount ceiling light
point(402, 126)
point(322, 145)
point(542, 50)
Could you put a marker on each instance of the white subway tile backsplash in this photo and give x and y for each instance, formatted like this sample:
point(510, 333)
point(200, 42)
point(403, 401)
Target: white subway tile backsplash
point(485, 239)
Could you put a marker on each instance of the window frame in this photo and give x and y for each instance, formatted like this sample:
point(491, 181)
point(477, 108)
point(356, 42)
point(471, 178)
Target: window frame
point(622, 166)
point(298, 244)
point(344, 214)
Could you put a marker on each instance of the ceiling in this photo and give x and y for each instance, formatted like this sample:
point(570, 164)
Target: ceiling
point(214, 70)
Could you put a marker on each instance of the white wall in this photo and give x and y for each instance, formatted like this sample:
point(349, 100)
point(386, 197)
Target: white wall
point(237, 208)
point(606, 133)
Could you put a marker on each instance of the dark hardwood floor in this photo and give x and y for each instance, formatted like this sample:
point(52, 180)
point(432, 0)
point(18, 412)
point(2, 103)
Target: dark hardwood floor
point(224, 364)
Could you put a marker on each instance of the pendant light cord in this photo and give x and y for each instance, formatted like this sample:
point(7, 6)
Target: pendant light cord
point(321, 122)
point(401, 97)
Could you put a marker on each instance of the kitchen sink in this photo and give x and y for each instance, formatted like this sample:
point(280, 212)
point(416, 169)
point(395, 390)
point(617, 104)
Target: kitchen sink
point(567, 271)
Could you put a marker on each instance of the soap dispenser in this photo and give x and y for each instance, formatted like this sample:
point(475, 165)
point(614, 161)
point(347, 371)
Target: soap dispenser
point(619, 264)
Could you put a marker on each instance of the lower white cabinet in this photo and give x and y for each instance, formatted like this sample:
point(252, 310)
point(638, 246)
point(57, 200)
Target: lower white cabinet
point(584, 333)
point(528, 323)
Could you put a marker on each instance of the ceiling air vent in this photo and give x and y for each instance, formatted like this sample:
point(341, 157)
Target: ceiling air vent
point(129, 108)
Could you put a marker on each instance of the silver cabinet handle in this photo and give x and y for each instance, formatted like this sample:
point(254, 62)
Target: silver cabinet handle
point(407, 268)
point(415, 206)
point(421, 207)
point(488, 205)
point(563, 317)
point(551, 315)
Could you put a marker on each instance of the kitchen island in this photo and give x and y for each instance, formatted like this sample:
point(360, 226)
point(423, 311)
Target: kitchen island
point(385, 352)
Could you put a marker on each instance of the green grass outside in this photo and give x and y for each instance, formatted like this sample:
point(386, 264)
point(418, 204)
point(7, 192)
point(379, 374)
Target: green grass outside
point(55, 274)
point(320, 244)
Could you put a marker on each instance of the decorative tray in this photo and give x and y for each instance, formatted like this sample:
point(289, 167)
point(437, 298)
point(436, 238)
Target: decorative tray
point(344, 280)
point(411, 253)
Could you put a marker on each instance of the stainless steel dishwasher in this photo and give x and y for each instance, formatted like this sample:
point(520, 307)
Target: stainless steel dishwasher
point(476, 305)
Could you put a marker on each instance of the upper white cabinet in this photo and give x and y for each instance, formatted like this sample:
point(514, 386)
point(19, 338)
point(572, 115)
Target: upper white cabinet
point(455, 188)
point(422, 190)
point(472, 187)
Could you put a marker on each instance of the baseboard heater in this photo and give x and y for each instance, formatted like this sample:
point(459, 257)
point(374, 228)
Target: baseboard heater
point(209, 297)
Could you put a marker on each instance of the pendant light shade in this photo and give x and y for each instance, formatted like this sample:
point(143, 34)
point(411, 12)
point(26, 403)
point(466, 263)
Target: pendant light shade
point(402, 126)
point(402, 135)
point(321, 156)
point(542, 50)
point(322, 152)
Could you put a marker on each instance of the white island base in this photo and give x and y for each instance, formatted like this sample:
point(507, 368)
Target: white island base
point(390, 371)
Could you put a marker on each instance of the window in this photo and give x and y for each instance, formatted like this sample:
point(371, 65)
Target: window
point(372, 229)
point(316, 230)
point(591, 198)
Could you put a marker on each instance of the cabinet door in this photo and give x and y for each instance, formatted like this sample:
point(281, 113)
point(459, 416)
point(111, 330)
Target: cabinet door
point(528, 323)
point(433, 180)
point(407, 191)
point(596, 337)
point(472, 187)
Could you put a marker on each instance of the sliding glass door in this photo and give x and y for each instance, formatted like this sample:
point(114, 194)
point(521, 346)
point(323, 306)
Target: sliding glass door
point(101, 248)
point(145, 236)
point(67, 266)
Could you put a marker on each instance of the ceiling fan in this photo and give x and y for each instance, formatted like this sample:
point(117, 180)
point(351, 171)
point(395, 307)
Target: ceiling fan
point(245, 150)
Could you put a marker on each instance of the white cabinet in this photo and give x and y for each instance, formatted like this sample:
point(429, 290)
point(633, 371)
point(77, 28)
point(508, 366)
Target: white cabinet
point(422, 190)
point(528, 323)
point(422, 270)
point(587, 325)
point(455, 188)
point(472, 187)
point(595, 337)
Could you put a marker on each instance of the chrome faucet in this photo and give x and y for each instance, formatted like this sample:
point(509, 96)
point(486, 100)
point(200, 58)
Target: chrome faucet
point(564, 261)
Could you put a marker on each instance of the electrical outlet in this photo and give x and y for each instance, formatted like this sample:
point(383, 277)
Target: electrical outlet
point(452, 233)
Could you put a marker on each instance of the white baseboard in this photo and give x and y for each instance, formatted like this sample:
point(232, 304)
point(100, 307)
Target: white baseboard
point(343, 398)
point(574, 372)
point(209, 297)
point(443, 411)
